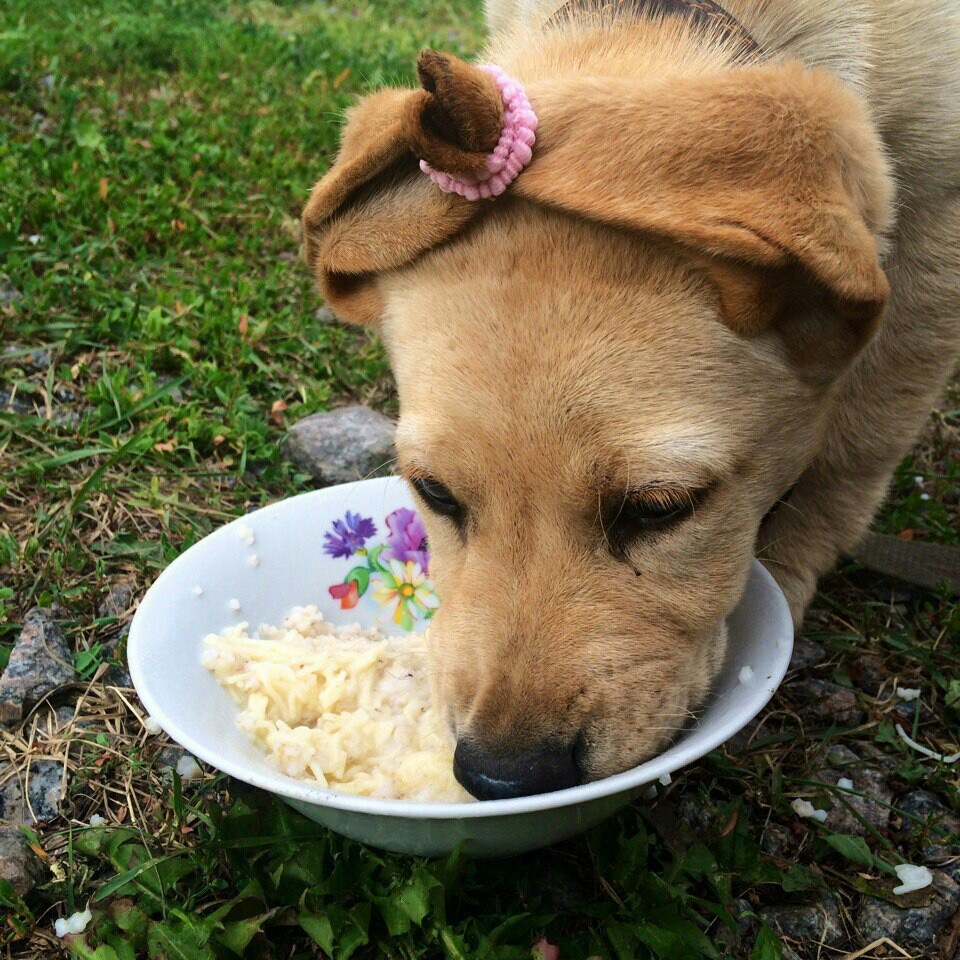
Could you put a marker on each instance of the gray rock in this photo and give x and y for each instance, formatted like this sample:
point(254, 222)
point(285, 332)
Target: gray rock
point(789, 953)
point(118, 600)
point(325, 315)
point(747, 926)
point(812, 923)
point(39, 664)
point(872, 807)
point(31, 359)
point(693, 811)
point(939, 834)
point(8, 292)
point(867, 673)
point(343, 445)
point(116, 651)
point(806, 654)
point(776, 840)
point(19, 865)
point(912, 928)
point(32, 795)
point(826, 702)
point(15, 402)
point(170, 756)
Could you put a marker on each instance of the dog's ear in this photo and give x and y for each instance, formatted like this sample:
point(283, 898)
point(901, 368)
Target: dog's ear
point(375, 210)
point(764, 174)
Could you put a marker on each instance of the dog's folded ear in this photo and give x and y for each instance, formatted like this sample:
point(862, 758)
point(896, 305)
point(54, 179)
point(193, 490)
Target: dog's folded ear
point(375, 210)
point(760, 172)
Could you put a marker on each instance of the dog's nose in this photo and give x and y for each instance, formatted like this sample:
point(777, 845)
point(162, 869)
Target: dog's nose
point(493, 775)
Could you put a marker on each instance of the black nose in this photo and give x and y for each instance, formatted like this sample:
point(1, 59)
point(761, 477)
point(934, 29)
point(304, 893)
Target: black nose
point(491, 774)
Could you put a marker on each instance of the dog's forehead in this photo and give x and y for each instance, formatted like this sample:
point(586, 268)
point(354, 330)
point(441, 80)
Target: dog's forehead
point(570, 340)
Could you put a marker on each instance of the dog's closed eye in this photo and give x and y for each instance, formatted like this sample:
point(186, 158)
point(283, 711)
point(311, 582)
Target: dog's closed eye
point(650, 510)
point(438, 498)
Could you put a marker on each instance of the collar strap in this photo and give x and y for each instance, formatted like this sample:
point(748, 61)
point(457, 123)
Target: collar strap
point(705, 13)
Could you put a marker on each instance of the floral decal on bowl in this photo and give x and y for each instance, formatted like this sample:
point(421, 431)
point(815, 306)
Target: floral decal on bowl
point(395, 572)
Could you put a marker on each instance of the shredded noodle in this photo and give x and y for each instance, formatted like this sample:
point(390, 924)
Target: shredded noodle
point(344, 707)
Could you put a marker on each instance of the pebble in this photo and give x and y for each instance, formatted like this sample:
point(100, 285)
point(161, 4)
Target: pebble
point(826, 702)
point(43, 781)
point(40, 663)
point(867, 673)
point(809, 924)
point(169, 757)
point(151, 726)
point(19, 865)
point(116, 650)
point(871, 807)
point(939, 835)
point(806, 654)
point(776, 841)
point(747, 926)
point(342, 446)
point(8, 292)
point(16, 402)
point(118, 600)
point(325, 315)
point(912, 928)
point(30, 359)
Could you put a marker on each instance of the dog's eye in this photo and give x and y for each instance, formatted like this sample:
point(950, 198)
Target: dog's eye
point(437, 497)
point(650, 511)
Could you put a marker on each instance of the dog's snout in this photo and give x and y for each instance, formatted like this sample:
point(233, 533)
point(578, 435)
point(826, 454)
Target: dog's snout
point(491, 774)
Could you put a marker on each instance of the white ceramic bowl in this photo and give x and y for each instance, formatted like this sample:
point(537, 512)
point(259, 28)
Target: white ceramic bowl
point(165, 648)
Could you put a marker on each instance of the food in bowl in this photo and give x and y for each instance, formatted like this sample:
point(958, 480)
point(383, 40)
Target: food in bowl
point(346, 707)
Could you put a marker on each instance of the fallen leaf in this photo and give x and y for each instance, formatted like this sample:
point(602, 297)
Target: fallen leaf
point(218, 439)
point(104, 187)
point(907, 534)
point(243, 325)
point(166, 446)
point(341, 76)
point(276, 411)
point(224, 76)
point(111, 225)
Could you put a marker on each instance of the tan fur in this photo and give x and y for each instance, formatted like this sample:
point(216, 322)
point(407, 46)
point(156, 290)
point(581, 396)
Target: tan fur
point(681, 293)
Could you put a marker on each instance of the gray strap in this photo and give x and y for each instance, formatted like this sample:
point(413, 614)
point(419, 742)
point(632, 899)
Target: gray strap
point(928, 565)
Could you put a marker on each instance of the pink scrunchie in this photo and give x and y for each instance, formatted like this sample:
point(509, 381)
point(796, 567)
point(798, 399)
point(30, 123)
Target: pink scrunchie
point(511, 154)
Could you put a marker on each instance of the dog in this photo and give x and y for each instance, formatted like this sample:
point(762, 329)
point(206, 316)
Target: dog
point(701, 325)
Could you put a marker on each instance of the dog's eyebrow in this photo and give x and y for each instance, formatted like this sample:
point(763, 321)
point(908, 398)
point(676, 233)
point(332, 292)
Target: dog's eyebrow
point(682, 459)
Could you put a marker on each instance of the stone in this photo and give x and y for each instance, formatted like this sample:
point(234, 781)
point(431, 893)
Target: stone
point(19, 865)
point(776, 840)
point(809, 924)
point(939, 835)
point(867, 673)
point(806, 654)
point(911, 928)
point(115, 653)
point(342, 446)
point(14, 402)
point(826, 702)
point(40, 663)
point(8, 292)
point(118, 600)
point(872, 807)
point(170, 756)
point(747, 926)
point(325, 315)
point(694, 812)
point(32, 795)
point(30, 359)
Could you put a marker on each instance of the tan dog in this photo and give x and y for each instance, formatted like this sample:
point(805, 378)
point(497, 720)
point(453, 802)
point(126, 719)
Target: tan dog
point(701, 294)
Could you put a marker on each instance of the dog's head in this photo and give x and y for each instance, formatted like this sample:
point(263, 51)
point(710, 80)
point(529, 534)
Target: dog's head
point(606, 377)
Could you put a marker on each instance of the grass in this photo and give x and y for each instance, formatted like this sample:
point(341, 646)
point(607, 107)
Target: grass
point(154, 157)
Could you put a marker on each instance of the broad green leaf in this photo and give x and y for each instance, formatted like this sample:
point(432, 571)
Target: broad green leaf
point(175, 940)
point(855, 849)
point(237, 934)
point(767, 946)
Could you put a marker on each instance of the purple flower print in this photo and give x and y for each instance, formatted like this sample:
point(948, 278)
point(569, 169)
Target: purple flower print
point(349, 535)
point(407, 539)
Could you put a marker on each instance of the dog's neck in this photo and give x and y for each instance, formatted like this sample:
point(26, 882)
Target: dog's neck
point(706, 15)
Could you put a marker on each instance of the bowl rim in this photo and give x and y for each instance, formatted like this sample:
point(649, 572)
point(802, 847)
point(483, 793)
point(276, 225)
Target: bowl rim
point(291, 789)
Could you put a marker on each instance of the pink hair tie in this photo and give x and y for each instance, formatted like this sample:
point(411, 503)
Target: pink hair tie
point(511, 154)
